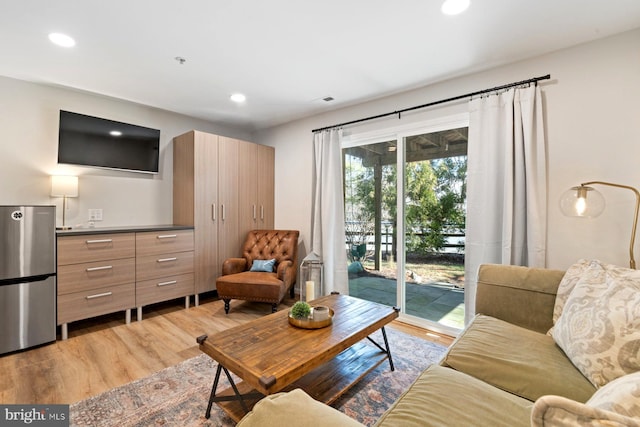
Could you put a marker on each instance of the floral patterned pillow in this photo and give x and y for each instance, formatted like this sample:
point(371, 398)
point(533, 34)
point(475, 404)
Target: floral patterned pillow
point(621, 396)
point(568, 282)
point(599, 327)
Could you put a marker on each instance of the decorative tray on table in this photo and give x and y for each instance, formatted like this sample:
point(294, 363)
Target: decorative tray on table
point(310, 323)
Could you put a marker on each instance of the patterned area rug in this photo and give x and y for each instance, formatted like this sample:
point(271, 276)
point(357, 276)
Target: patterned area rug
point(178, 395)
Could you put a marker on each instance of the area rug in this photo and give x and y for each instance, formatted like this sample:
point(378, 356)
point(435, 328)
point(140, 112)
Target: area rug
point(178, 395)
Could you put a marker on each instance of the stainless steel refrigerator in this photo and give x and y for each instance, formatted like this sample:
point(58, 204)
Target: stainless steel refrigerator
point(27, 276)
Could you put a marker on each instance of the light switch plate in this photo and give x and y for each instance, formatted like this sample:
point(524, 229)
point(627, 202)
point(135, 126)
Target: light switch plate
point(95, 214)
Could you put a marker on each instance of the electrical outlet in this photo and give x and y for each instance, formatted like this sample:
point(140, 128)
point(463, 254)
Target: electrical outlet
point(95, 214)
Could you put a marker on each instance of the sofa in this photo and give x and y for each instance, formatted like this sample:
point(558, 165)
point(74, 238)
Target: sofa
point(506, 368)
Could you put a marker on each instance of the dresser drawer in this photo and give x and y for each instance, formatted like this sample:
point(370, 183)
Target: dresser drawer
point(163, 289)
point(162, 242)
point(163, 265)
point(93, 275)
point(80, 305)
point(95, 247)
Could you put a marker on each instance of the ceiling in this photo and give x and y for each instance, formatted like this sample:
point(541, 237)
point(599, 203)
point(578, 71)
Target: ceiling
point(284, 55)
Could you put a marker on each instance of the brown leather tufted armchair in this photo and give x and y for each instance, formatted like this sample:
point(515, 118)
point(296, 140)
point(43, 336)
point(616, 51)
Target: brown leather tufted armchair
point(239, 282)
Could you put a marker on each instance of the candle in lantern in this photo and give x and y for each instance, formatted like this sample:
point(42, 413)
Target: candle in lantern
point(310, 290)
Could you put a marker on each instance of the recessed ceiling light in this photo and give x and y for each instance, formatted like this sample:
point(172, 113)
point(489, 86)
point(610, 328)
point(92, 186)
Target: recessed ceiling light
point(238, 97)
point(62, 40)
point(115, 133)
point(455, 7)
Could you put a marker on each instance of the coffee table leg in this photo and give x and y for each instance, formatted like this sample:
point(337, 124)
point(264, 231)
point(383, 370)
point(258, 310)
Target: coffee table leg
point(386, 344)
point(386, 348)
point(238, 396)
point(235, 390)
point(213, 391)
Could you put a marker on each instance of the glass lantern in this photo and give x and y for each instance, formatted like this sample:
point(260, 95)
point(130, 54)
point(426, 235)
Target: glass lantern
point(311, 277)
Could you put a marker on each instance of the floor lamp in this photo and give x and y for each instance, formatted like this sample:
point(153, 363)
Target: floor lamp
point(585, 201)
point(64, 186)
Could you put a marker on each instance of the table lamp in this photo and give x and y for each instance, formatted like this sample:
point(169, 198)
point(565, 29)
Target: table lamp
point(64, 186)
point(586, 202)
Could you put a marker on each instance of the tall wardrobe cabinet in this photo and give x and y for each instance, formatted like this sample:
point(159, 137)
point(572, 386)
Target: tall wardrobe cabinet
point(223, 187)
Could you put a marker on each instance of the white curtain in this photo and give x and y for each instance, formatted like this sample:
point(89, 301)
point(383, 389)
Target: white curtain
point(327, 233)
point(506, 185)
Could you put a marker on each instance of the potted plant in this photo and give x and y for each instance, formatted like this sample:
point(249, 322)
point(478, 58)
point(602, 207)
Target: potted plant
point(300, 310)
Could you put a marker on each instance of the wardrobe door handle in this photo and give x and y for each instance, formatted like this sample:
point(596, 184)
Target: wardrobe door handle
point(224, 212)
point(262, 212)
point(167, 236)
point(167, 259)
point(213, 212)
point(254, 212)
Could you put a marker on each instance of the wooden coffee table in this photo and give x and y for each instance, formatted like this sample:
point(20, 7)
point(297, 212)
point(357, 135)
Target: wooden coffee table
point(270, 355)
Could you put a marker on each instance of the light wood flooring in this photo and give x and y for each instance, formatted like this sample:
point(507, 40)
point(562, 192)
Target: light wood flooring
point(104, 352)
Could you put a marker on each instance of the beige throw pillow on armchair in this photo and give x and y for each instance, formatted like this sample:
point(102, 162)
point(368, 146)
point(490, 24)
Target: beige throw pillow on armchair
point(599, 327)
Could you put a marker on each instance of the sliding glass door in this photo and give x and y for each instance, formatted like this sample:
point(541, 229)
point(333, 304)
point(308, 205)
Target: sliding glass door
point(405, 218)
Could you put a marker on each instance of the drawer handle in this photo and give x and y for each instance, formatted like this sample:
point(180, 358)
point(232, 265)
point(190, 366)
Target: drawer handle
point(167, 259)
point(105, 294)
point(171, 282)
point(105, 267)
point(168, 236)
point(99, 241)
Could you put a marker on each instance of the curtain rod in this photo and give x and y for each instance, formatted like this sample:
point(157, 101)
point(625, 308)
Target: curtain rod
point(442, 101)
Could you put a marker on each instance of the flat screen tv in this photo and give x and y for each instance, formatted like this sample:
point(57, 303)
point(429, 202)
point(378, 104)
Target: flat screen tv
point(92, 141)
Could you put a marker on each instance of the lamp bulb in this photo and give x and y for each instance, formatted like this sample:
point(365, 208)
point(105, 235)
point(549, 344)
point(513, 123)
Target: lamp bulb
point(581, 206)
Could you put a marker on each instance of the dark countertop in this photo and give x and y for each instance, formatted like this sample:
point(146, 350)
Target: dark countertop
point(124, 229)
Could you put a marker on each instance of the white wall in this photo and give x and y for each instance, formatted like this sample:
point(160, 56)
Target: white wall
point(28, 155)
point(593, 133)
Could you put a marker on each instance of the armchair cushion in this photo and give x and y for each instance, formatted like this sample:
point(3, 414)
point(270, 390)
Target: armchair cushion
point(263, 265)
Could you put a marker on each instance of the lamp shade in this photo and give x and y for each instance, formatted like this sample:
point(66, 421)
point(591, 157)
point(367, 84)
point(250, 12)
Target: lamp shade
point(64, 186)
point(582, 201)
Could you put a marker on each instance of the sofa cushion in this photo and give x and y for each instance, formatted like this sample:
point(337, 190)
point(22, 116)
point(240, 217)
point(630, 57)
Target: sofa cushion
point(599, 328)
point(294, 408)
point(444, 397)
point(522, 296)
point(621, 395)
point(518, 360)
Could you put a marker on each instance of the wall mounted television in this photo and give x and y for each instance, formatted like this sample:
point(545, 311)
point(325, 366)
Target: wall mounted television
point(92, 141)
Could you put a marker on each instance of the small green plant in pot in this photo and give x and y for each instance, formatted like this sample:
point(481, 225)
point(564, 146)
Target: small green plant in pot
point(301, 310)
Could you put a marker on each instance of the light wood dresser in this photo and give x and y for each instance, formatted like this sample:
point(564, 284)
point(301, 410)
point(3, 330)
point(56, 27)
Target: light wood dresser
point(105, 270)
